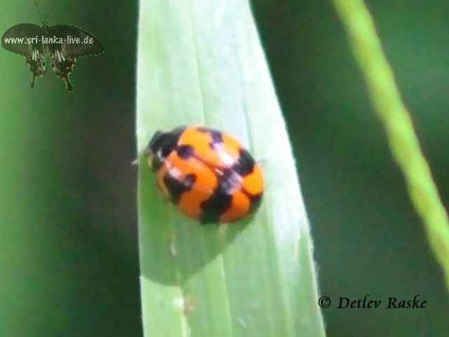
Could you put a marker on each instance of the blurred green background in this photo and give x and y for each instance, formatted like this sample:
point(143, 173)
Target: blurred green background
point(68, 246)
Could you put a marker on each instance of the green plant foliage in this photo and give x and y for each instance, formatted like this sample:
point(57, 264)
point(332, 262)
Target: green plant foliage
point(201, 62)
point(402, 139)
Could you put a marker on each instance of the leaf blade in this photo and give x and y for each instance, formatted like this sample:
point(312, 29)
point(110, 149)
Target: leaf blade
point(201, 62)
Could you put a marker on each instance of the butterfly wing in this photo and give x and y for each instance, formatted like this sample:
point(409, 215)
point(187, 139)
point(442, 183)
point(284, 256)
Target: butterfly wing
point(77, 42)
point(22, 39)
point(25, 39)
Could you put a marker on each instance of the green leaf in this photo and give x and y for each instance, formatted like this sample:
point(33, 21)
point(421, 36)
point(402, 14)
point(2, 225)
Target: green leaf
point(201, 62)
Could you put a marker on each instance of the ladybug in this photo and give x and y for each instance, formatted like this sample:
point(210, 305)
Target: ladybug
point(206, 173)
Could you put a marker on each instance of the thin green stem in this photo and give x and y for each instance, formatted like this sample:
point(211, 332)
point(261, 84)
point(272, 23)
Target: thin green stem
point(402, 138)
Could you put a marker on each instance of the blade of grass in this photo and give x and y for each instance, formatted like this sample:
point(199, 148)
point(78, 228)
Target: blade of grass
point(393, 114)
point(201, 62)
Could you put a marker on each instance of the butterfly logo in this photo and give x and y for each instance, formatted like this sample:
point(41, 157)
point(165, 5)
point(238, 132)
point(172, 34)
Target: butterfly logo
point(62, 43)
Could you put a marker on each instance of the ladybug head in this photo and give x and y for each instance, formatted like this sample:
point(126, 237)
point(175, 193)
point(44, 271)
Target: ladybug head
point(161, 145)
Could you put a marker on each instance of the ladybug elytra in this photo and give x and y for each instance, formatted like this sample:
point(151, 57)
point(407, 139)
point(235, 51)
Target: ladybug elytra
point(206, 173)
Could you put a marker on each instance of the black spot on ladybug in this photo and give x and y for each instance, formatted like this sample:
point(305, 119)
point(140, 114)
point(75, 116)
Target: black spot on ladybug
point(245, 164)
point(214, 207)
point(216, 136)
point(221, 199)
point(185, 151)
point(177, 187)
point(255, 202)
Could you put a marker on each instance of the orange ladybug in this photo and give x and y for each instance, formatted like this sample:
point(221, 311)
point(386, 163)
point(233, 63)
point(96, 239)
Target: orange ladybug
point(206, 173)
